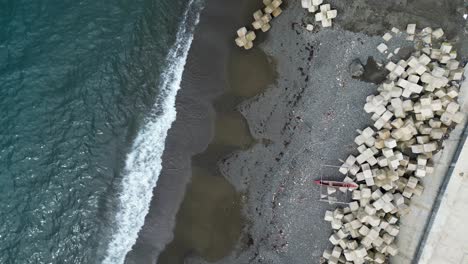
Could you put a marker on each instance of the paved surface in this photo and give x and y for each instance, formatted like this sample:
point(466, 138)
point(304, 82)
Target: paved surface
point(447, 240)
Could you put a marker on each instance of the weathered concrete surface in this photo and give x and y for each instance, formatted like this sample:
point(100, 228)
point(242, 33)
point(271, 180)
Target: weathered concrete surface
point(447, 240)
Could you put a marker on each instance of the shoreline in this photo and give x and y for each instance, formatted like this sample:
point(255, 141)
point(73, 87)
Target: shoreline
point(210, 221)
point(193, 129)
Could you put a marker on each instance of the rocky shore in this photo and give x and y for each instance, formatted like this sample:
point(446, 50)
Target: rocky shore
point(307, 119)
point(302, 123)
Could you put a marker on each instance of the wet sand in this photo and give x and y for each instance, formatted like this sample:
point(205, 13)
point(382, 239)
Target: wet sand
point(207, 128)
point(210, 221)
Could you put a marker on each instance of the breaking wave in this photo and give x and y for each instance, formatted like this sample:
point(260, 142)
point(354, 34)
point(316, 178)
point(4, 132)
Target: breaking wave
point(144, 164)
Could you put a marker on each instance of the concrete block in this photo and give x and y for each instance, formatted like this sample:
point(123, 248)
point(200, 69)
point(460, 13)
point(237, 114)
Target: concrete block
point(445, 47)
point(338, 213)
point(438, 72)
point(355, 224)
point(336, 252)
point(333, 260)
point(387, 152)
point(364, 230)
point(348, 217)
point(411, 29)
point(276, 12)
point(370, 181)
point(393, 162)
point(356, 195)
point(395, 30)
point(387, 197)
point(390, 66)
point(360, 252)
point(418, 148)
point(452, 107)
point(325, 7)
point(374, 232)
point(326, 254)
point(407, 105)
point(341, 234)
point(354, 206)
point(266, 18)
point(382, 48)
point(430, 147)
point(453, 64)
point(366, 193)
point(366, 242)
point(378, 241)
point(438, 33)
point(422, 139)
point(378, 204)
point(331, 14)
point(379, 258)
point(397, 123)
point(407, 192)
point(265, 27)
point(313, 9)
point(373, 220)
point(390, 143)
point(376, 194)
point(420, 69)
point(387, 36)
point(354, 169)
point(420, 171)
point(458, 117)
point(349, 255)
point(352, 244)
point(336, 224)
point(388, 207)
point(334, 239)
point(326, 23)
point(456, 75)
point(392, 249)
point(451, 92)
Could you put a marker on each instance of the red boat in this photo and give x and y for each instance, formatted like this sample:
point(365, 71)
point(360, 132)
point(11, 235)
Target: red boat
point(336, 184)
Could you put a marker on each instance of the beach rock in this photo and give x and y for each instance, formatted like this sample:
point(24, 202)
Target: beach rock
point(356, 68)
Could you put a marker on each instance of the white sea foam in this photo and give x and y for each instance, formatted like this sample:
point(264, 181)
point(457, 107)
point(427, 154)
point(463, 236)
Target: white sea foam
point(144, 163)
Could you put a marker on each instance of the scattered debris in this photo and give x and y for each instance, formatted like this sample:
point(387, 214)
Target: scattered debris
point(413, 112)
point(356, 68)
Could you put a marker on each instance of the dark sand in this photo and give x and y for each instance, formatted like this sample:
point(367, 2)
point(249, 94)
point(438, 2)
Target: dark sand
point(209, 222)
point(308, 119)
point(305, 120)
point(207, 128)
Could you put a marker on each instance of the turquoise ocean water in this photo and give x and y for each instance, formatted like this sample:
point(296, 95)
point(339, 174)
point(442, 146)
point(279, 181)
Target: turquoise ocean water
point(87, 92)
